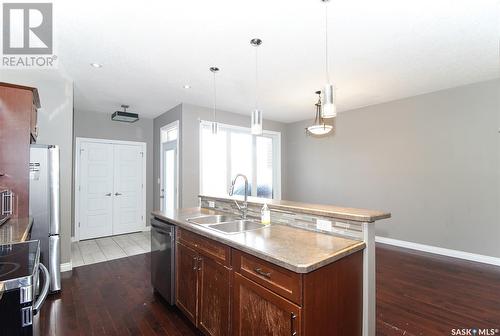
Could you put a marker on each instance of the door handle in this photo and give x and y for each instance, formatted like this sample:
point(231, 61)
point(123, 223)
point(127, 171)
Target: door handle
point(117, 194)
point(293, 332)
point(261, 272)
point(108, 194)
point(45, 290)
point(199, 263)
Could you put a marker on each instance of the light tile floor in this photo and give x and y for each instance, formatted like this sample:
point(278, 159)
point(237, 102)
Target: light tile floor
point(92, 251)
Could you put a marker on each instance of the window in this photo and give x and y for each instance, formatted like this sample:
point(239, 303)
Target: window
point(168, 133)
point(234, 150)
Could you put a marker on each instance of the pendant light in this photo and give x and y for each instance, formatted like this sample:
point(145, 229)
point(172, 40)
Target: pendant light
point(215, 125)
point(329, 109)
point(256, 128)
point(319, 127)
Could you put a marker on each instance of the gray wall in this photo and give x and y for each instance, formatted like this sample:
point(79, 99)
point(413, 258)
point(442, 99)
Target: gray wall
point(55, 122)
point(431, 160)
point(191, 115)
point(99, 125)
point(166, 118)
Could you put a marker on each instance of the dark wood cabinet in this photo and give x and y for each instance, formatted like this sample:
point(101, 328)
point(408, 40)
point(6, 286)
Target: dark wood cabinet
point(203, 283)
point(187, 281)
point(18, 128)
point(258, 311)
point(214, 297)
point(224, 291)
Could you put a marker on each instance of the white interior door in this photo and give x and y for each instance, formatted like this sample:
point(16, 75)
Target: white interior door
point(96, 190)
point(168, 195)
point(128, 196)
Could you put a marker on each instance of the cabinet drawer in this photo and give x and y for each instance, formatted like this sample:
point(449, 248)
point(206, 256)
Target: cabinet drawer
point(211, 248)
point(278, 279)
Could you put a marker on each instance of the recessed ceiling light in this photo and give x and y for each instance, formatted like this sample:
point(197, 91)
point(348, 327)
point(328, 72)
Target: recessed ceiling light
point(96, 65)
point(187, 86)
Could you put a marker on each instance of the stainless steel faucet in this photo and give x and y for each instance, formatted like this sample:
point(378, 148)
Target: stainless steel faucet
point(242, 208)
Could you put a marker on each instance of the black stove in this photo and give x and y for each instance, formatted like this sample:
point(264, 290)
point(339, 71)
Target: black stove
point(19, 266)
point(18, 260)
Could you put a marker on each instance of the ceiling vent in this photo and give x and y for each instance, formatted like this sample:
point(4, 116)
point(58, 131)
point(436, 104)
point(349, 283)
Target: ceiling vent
point(124, 115)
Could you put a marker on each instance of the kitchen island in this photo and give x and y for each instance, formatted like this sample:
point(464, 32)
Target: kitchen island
point(305, 274)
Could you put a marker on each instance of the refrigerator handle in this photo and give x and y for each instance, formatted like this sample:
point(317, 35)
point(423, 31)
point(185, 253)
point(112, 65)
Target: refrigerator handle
point(45, 290)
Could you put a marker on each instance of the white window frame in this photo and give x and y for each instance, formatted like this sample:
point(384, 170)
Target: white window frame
point(276, 136)
point(166, 128)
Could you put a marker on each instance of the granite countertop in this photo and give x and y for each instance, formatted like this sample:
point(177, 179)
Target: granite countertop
point(298, 250)
point(15, 230)
point(353, 214)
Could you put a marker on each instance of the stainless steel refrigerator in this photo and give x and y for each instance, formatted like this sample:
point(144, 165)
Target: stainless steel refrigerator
point(44, 208)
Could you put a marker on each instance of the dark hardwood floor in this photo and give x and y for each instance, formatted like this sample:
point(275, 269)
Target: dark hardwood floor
point(424, 294)
point(417, 294)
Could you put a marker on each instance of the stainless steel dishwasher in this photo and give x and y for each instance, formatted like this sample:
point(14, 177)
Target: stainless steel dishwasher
point(163, 259)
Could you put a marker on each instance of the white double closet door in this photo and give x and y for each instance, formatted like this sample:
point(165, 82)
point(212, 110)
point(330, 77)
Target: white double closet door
point(111, 191)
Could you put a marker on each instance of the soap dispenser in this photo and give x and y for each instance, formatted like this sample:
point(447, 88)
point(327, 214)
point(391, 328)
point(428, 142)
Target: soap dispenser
point(265, 215)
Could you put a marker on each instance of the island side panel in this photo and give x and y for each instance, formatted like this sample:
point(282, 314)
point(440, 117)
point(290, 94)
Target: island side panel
point(369, 295)
point(333, 298)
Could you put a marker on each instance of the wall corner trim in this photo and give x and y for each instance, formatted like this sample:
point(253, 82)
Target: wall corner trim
point(66, 267)
point(439, 250)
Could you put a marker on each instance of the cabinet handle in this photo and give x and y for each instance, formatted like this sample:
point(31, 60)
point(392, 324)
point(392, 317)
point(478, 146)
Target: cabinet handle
point(261, 272)
point(293, 332)
point(195, 260)
point(117, 194)
point(200, 259)
point(108, 194)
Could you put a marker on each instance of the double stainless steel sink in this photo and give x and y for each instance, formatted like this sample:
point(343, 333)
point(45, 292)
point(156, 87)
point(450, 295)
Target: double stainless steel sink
point(227, 224)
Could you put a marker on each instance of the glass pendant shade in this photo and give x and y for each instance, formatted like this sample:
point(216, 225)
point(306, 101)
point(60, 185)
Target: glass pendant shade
point(329, 109)
point(215, 127)
point(320, 129)
point(256, 122)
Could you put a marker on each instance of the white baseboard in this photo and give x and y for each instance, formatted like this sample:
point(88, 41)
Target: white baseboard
point(66, 267)
point(441, 251)
point(74, 239)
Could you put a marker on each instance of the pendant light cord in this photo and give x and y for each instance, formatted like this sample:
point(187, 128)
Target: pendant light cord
point(326, 44)
point(215, 100)
point(256, 78)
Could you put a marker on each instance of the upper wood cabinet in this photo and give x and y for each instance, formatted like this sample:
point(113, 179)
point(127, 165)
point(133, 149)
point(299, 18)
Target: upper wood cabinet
point(18, 128)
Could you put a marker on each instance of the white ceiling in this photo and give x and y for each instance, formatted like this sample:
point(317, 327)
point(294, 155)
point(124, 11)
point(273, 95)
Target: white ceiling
point(380, 51)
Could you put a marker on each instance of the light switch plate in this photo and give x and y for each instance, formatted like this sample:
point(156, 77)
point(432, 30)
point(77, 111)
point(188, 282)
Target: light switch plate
point(211, 204)
point(322, 224)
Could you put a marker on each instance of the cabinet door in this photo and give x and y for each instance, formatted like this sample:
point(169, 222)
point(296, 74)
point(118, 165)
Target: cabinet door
point(214, 297)
point(258, 311)
point(187, 281)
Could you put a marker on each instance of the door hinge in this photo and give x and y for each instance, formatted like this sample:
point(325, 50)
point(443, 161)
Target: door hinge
point(78, 224)
point(81, 150)
point(142, 154)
